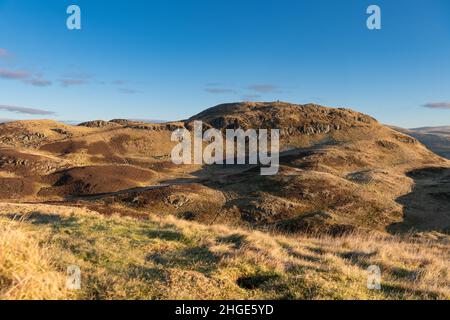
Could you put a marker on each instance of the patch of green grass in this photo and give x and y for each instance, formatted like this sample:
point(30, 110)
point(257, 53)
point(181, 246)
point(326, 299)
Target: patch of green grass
point(166, 258)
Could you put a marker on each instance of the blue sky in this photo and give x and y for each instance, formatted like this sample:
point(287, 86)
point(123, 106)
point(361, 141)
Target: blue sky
point(171, 59)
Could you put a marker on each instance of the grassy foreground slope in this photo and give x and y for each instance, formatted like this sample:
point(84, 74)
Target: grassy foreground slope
point(167, 258)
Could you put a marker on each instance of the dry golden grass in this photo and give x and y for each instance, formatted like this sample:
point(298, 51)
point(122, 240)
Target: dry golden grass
point(168, 258)
point(26, 270)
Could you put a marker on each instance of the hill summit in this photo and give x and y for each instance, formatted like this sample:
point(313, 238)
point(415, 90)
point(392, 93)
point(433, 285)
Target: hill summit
point(340, 171)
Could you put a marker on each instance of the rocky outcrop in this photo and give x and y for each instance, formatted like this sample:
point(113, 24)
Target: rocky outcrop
point(291, 119)
point(155, 127)
point(24, 164)
point(25, 139)
point(98, 124)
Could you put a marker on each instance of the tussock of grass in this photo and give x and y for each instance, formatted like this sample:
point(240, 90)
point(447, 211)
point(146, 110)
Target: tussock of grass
point(167, 258)
point(26, 270)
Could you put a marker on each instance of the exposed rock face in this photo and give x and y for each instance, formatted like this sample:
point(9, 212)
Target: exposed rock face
point(176, 200)
point(315, 128)
point(62, 132)
point(34, 133)
point(309, 119)
point(155, 127)
point(122, 122)
point(97, 124)
point(25, 138)
point(405, 138)
point(26, 164)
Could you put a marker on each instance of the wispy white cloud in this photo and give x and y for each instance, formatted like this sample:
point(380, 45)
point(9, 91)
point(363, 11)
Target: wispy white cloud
point(218, 88)
point(25, 76)
point(437, 105)
point(25, 110)
point(39, 82)
point(75, 79)
point(13, 75)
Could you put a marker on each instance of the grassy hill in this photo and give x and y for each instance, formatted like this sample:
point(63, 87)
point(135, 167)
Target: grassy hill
point(333, 160)
point(163, 257)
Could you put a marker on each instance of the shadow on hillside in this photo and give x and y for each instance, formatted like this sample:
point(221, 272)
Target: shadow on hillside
point(97, 196)
point(259, 201)
point(427, 206)
point(198, 258)
point(38, 218)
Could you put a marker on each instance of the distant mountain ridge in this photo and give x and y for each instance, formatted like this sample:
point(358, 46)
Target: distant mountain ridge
point(437, 139)
point(439, 129)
